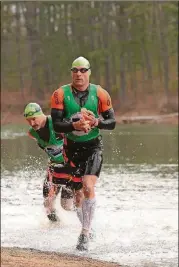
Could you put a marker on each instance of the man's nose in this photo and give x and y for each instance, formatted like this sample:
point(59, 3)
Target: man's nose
point(79, 73)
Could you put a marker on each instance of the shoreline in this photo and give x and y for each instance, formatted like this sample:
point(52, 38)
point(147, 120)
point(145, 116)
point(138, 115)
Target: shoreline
point(21, 257)
point(171, 118)
point(128, 118)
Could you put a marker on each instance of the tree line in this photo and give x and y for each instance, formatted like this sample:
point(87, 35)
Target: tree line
point(132, 46)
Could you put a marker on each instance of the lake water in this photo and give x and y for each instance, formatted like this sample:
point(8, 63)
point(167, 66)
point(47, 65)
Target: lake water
point(136, 218)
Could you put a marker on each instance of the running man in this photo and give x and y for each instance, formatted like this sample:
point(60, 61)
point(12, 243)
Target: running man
point(57, 174)
point(75, 111)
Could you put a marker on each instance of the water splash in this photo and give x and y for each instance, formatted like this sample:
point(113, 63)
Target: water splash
point(136, 216)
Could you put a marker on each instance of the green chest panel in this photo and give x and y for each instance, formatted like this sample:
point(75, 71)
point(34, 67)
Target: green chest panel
point(54, 147)
point(72, 107)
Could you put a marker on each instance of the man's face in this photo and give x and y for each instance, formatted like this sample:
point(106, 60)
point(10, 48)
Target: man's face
point(80, 77)
point(35, 122)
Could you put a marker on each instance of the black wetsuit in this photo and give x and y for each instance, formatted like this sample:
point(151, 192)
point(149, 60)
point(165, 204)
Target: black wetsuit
point(87, 156)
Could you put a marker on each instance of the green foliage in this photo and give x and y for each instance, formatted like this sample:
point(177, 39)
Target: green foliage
point(41, 39)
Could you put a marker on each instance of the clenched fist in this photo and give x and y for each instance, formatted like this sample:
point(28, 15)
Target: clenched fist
point(82, 125)
point(89, 116)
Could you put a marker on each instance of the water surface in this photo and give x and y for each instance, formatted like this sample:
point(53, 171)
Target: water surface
point(136, 217)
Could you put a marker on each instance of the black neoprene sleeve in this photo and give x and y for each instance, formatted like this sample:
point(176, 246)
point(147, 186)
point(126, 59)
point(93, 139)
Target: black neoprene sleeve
point(108, 122)
point(61, 126)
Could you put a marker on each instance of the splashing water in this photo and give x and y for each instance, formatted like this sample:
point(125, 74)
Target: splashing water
point(135, 222)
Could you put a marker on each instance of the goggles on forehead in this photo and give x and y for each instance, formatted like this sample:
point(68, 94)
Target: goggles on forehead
point(31, 113)
point(82, 70)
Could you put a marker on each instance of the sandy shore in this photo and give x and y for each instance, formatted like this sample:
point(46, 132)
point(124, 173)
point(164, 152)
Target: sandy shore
point(18, 257)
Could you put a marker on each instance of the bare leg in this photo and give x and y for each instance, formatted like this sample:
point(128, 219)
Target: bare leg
point(67, 198)
point(50, 192)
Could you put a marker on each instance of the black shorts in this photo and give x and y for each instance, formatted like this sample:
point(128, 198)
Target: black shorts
point(59, 176)
point(62, 176)
point(65, 192)
point(86, 156)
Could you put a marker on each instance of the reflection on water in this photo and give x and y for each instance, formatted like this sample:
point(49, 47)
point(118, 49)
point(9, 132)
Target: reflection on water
point(127, 144)
point(136, 217)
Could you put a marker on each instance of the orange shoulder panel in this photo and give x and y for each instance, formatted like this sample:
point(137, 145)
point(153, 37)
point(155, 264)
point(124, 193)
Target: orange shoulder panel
point(57, 99)
point(104, 100)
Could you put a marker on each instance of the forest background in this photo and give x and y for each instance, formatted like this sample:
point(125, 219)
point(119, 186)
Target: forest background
point(132, 48)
